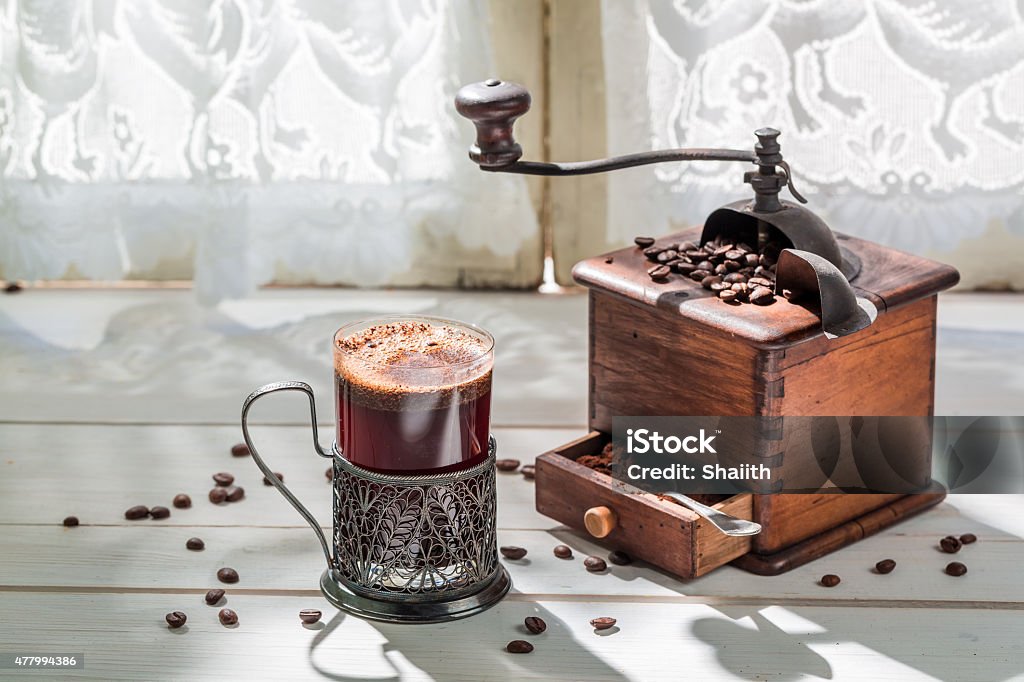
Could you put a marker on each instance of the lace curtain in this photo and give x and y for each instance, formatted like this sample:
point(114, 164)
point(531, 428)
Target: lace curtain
point(242, 141)
point(903, 119)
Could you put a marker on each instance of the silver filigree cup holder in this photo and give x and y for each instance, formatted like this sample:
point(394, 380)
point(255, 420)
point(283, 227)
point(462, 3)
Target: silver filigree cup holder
point(405, 548)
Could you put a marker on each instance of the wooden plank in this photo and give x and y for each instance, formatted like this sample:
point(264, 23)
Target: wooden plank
point(124, 637)
point(159, 356)
point(97, 471)
point(154, 557)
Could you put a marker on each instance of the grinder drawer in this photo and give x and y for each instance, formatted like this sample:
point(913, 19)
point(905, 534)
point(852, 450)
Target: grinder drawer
point(622, 516)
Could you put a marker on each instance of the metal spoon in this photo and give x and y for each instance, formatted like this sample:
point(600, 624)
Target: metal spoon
point(729, 525)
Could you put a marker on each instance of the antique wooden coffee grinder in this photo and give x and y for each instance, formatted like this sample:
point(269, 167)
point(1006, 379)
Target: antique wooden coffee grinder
point(854, 335)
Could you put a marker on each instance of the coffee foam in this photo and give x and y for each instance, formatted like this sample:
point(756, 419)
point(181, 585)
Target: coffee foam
point(411, 365)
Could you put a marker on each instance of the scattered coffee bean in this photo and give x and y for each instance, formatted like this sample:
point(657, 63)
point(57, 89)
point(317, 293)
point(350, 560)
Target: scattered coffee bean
point(830, 580)
point(182, 501)
point(528, 472)
point(735, 278)
point(594, 564)
point(507, 464)
point(175, 619)
point(659, 272)
point(240, 450)
point(227, 617)
point(218, 495)
point(644, 242)
point(698, 275)
point(949, 544)
point(535, 625)
point(620, 558)
point(885, 566)
point(760, 282)
point(280, 477)
point(329, 474)
point(602, 623)
point(609, 260)
point(667, 256)
point(159, 512)
point(720, 286)
point(706, 265)
point(137, 512)
point(235, 493)
point(562, 551)
point(721, 269)
point(684, 268)
point(956, 569)
point(727, 295)
point(70, 521)
point(223, 478)
point(227, 575)
point(513, 553)
point(519, 646)
point(761, 296)
point(12, 288)
point(968, 538)
point(310, 616)
point(710, 280)
point(751, 259)
point(195, 544)
point(214, 596)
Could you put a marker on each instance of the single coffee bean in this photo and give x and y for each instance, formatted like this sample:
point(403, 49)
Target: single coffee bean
point(235, 493)
point(705, 265)
point(227, 575)
point(594, 564)
point(761, 296)
point(70, 521)
point(727, 295)
point(651, 252)
point(709, 280)
point(620, 558)
point(227, 617)
point(734, 254)
point(223, 478)
point(240, 450)
point(175, 619)
point(686, 246)
point(529, 472)
point(956, 569)
point(949, 544)
point(830, 580)
point(218, 495)
point(329, 474)
point(740, 288)
point(195, 544)
point(659, 272)
point(667, 256)
point(735, 278)
point(723, 249)
point(720, 286)
point(182, 501)
point(751, 259)
point(310, 616)
point(698, 274)
point(280, 477)
point(513, 553)
point(683, 267)
point(137, 512)
point(609, 260)
point(885, 566)
point(760, 282)
point(562, 552)
point(535, 625)
point(602, 623)
point(643, 242)
point(214, 596)
point(968, 538)
point(159, 512)
point(721, 270)
point(12, 288)
point(507, 464)
point(519, 646)
point(732, 266)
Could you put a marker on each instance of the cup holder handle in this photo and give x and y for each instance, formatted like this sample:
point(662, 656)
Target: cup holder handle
point(292, 500)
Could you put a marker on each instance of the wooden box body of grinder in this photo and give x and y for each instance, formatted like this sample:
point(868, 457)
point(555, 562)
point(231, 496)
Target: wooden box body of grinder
point(673, 348)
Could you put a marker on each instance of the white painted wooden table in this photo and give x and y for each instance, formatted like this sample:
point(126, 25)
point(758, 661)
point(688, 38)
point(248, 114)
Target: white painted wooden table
point(110, 399)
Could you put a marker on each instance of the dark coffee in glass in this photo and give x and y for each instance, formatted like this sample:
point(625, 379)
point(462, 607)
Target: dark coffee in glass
point(413, 394)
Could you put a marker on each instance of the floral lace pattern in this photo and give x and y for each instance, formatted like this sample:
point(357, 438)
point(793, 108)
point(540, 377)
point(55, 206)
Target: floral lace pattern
point(903, 119)
point(246, 139)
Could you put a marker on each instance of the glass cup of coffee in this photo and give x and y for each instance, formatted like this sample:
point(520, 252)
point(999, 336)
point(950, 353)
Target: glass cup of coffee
point(413, 394)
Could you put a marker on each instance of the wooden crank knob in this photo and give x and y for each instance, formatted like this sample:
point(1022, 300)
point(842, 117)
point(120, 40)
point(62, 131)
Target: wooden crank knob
point(600, 521)
point(493, 106)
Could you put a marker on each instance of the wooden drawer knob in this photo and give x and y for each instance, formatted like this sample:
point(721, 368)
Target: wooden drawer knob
point(600, 521)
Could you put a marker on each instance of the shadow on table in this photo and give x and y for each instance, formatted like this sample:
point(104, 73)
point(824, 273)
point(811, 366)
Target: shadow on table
point(440, 650)
point(765, 641)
